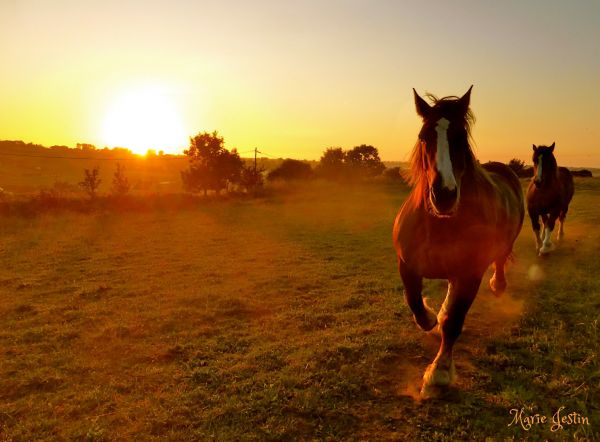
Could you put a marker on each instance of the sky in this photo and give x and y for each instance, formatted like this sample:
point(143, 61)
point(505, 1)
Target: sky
point(293, 78)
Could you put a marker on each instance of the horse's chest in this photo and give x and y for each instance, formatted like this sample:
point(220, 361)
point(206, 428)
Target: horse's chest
point(450, 249)
point(544, 201)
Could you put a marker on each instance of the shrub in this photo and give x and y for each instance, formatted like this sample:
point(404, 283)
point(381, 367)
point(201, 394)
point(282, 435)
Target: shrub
point(291, 170)
point(91, 181)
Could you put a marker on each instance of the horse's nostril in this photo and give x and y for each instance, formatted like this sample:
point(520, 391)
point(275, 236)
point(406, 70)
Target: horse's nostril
point(444, 193)
point(444, 199)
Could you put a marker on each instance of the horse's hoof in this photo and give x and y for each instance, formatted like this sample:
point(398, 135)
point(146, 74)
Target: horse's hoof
point(546, 249)
point(440, 377)
point(427, 321)
point(437, 380)
point(432, 391)
point(498, 287)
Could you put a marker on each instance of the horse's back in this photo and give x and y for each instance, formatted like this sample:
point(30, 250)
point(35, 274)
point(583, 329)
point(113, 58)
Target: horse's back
point(566, 180)
point(501, 173)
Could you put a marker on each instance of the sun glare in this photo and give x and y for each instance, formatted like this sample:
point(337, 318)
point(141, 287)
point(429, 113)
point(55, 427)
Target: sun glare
point(142, 118)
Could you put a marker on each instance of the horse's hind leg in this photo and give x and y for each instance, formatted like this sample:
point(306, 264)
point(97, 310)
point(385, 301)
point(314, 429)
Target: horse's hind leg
point(498, 280)
point(441, 372)
point(413, 286)
point(561, 224)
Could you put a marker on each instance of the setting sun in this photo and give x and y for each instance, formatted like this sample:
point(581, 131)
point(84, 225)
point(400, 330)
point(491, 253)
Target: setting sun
point(144, 117)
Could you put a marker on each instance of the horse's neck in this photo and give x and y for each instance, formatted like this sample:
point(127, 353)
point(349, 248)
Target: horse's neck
point(476, 181)
point(551, 178)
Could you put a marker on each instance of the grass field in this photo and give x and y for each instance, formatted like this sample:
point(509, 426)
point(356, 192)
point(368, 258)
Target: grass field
point(281, 319)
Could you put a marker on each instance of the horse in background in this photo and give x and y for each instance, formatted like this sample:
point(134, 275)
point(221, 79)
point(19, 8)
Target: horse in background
point(459, 218)
point(548, 196)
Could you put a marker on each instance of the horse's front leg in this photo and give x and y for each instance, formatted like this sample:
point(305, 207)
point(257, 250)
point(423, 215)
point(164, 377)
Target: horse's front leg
point(549, 223)
point(413, 285)
point(498, 279)
point(441, 372)
point(535, 225)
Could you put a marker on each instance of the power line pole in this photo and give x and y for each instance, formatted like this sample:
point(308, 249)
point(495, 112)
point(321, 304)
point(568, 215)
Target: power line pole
point(255, 152)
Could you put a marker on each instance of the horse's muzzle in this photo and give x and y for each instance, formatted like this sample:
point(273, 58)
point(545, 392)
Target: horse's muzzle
point(444, 200)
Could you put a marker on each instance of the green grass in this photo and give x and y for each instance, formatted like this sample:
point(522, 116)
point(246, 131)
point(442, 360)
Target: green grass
point(280, 319)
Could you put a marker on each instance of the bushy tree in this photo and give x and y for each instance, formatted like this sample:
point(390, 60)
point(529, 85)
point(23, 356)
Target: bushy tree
point(364, 161)
point(332, 163)
point(120, 186)
point(360, 162)
point(91, 181)
point(517, 166)
point(212, 167)
point(291, 170)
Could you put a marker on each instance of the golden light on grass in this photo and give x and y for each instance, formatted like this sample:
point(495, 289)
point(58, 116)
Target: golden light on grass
point(145, 117)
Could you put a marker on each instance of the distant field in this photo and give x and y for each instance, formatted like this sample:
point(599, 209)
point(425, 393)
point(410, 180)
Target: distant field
point(281, 319)
point(26, 169)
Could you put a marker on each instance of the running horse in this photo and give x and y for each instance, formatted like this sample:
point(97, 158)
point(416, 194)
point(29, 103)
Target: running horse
point(548, 196)
point(459, 218)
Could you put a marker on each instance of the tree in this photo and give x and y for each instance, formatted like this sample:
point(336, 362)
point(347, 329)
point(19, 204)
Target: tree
point(364, 161)
point(212, 167)
point(332, 163)
point(360, 162)
point(120, 185)
point(91, 181)
point(291, 170)
point(517, 166)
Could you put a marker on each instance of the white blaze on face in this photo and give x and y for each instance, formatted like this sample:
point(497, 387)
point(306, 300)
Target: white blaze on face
point(442, 156)
point(539, 169)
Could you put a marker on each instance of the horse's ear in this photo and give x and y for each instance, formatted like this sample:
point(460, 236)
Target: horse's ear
point(423, 108)
point(465, 100)
point(534, 148)
point(552, 147)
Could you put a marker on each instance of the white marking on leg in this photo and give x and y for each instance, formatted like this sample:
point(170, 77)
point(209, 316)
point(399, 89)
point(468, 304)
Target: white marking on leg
point(442, 155)
point(538, 239)
point(560, 232)
point(547, 233)
point(547, 244)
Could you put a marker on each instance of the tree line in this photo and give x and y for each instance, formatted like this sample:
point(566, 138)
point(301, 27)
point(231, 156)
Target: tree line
point(212, 167)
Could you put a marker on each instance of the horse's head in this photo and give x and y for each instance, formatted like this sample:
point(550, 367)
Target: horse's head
point(443, 153)
point(544, 164)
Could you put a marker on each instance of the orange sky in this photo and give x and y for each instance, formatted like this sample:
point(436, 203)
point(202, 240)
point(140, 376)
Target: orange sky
point(295, 77)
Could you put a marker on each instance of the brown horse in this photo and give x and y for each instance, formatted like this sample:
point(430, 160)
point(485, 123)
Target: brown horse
point(548, 196)
point(459, 218)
